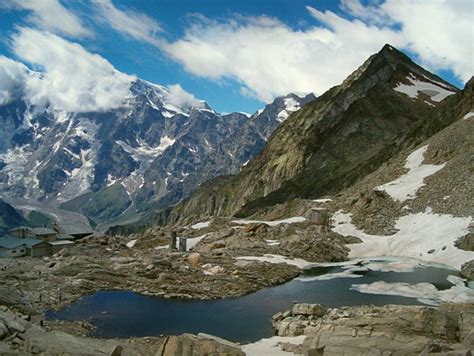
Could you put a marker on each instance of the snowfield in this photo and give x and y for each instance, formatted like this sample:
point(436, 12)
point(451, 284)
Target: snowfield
point(201, 225)
point(406, 186)
point(426, 236)
point(469, 115)
point(292, 220)
point(271, 346)
point(298, 262)
point(425, 293)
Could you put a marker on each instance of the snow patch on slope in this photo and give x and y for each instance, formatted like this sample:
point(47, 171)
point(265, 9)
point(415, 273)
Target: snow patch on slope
point(406, 186)
point(469, 115)
point(291, 105)
point(271, 346)
point(292, 220)
point(437, 92)
point(269, 258)
point(18, 170)
point(426, 236)
point(144, 152)
point(201, 225)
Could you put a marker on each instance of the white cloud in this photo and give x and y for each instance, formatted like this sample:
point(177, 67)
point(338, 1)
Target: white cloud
point(131, 23)
point(441, 33)
point(71, 78)
point(12, 79)
point(51, 15)
point(269, 58)
point(180, 98)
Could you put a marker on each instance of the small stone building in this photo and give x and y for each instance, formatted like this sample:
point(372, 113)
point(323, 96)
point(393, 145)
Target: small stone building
point(21, 232)
point(44, 233)
point(318, 216)
point(59, 245)
point(37, 248)
point(76, 230)
point(11, 246)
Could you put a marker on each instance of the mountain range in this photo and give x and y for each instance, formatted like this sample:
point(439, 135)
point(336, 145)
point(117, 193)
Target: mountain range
point(386, 106)
point(113, 165)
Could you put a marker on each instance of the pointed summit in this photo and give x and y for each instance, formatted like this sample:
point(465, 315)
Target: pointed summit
point(335, 140)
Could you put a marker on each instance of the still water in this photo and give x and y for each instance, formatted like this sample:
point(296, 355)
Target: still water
point(120, 314)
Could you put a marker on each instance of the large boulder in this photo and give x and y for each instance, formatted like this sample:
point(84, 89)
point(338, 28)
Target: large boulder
point(317, 310)
point(194, 259)
point(467, 270)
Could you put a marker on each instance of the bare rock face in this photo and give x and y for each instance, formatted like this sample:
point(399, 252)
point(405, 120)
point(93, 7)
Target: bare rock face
point(295, 322)
point(306, 309)
point(202, 344)
point(467, 270)
point(18, 335)
point(369, 330)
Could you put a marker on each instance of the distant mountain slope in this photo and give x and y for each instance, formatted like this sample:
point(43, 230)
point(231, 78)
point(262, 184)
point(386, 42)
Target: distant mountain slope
point(388, 104)
point(9, 218)
point(113, 165)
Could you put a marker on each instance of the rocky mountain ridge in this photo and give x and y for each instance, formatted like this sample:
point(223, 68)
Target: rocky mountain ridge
point(388, 104)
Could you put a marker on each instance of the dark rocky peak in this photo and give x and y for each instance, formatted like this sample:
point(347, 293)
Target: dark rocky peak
point(386, 105)
point(393, 66)
point(469, 86)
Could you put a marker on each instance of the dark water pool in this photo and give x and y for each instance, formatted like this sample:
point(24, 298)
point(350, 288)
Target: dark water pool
point(119, 314)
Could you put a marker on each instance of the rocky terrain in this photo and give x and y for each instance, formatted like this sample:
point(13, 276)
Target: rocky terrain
point(368, 330)
point(144, 263)
point(20, 335)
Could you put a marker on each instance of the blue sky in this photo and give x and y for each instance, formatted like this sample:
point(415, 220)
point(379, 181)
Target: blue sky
point(237, 55)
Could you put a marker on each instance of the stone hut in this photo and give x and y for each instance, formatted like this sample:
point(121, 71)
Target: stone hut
point(44, 233)
point(318, 216)
point(11, 246)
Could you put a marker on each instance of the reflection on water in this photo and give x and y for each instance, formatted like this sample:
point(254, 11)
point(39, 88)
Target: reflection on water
point(243, 319)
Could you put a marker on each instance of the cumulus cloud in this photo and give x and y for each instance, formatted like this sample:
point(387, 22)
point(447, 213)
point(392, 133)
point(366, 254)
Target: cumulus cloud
point(180, 98)
point(71, 78)
point(269, 58)
point(440, 33)
point(128, 22)
point(50, 15)
point(12, 79)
